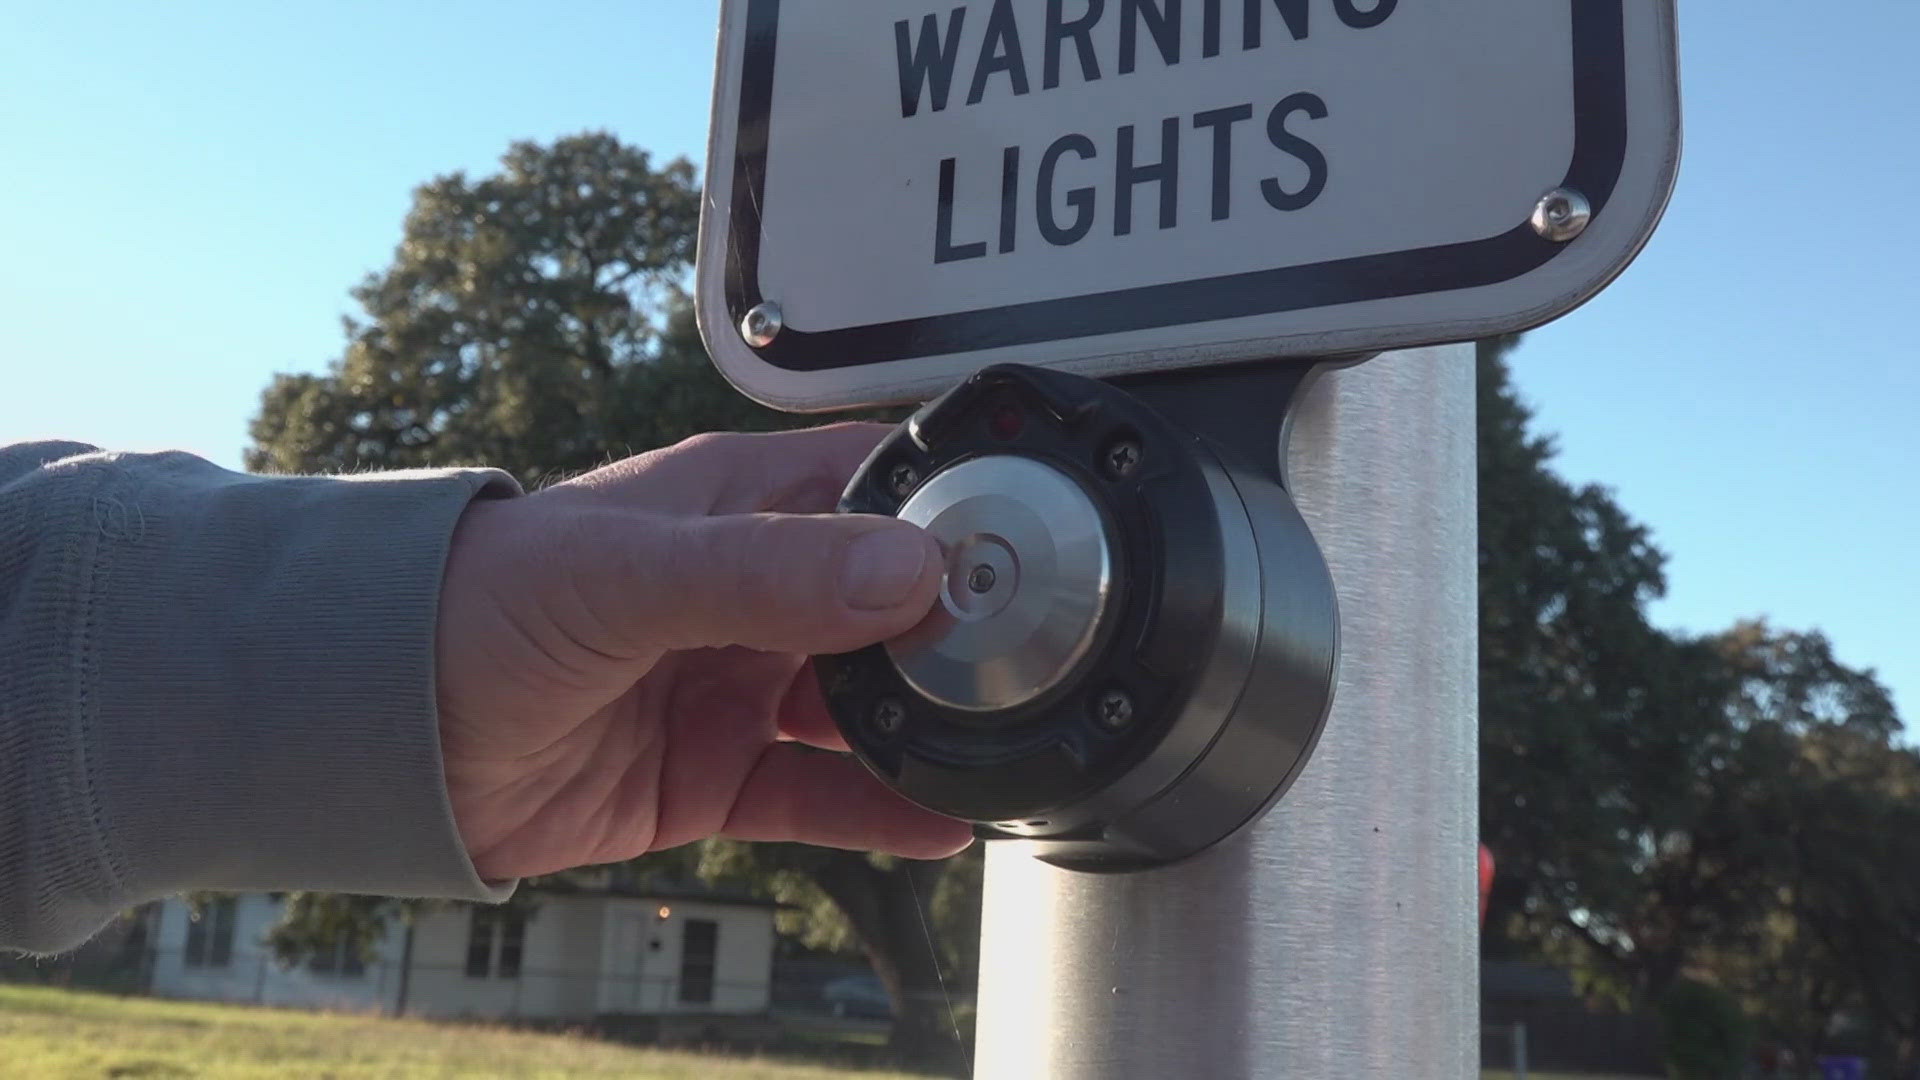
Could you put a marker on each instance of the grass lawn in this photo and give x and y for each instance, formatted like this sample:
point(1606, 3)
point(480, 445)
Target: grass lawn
point(59, 1035)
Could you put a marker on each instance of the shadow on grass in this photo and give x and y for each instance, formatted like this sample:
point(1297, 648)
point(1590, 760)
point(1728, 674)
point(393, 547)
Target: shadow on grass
point(146, 1070)
point(799, 1040)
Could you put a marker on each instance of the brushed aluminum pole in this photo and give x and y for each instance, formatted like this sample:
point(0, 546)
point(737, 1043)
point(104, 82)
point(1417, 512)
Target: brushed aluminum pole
point(1337, 939)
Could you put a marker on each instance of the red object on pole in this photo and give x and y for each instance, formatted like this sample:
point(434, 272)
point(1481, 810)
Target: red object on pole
point(1486, 881)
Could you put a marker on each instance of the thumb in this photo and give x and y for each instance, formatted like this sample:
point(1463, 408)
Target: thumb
point(774, 582)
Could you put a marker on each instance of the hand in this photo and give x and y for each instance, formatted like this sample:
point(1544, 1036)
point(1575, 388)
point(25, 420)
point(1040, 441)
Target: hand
point(622, 658)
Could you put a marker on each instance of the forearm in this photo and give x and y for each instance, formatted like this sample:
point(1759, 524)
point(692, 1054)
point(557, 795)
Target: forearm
point(216, 681)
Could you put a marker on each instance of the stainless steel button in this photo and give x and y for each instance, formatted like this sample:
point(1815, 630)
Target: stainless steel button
point(1030, 572)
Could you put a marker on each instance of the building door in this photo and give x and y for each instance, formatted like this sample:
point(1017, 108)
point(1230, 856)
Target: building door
point(625, 971)
point(699, 952)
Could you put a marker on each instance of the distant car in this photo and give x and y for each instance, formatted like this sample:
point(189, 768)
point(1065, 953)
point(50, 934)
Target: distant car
point(859, 995)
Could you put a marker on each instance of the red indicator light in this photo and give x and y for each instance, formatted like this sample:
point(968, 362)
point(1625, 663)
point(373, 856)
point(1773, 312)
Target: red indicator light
point(1007, 422)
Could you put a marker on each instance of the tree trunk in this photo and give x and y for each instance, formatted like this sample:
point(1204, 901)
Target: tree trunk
point(888, 912)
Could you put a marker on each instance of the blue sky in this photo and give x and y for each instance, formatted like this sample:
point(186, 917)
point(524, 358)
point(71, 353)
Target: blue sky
point(191, 188)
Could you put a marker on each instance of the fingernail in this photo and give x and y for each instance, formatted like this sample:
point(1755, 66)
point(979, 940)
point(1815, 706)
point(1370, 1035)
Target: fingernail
point(879, 569)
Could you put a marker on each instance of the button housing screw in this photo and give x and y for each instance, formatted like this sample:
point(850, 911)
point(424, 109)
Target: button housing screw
point(1114, 710)
point(1121, 459)
point(889, 716)
point(903, 479)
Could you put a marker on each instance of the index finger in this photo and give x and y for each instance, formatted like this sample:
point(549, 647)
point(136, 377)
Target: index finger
point(792, 472)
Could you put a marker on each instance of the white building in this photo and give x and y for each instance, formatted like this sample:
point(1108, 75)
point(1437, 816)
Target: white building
point(574, 955)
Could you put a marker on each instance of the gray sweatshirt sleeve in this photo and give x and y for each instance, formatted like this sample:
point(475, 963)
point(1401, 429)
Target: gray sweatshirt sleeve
point(217, 681)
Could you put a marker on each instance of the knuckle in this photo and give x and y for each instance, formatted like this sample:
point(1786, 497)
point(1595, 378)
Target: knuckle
point(710, 443)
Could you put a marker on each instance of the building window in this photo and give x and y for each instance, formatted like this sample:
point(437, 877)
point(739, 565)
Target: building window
point(513, 936)
point(496, 940)
point(480, 943)
point(699, 948)
point(341, 956)
point(210, 933)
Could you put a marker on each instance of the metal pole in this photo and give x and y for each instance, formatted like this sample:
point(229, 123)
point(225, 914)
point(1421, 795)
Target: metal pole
point(1338, 937)
point(1519, 1050)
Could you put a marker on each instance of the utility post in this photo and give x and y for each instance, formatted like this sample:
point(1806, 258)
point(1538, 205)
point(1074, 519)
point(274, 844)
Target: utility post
point(1337, 937)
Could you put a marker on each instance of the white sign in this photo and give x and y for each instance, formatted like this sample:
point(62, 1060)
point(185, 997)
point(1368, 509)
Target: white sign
point(901, 192)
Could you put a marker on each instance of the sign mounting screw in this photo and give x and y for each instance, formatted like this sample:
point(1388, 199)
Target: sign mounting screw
point(762, 324)
point(1562, 214)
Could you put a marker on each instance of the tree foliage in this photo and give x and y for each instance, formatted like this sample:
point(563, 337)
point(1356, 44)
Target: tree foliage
point(1706, 1032)
point(1734, 806)
point(1579, 753)
point(917, 922)
point(531, 320)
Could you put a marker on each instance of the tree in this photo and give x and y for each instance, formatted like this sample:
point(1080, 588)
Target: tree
point(1579, 740)
point(918, 923)
point(1833, 963)
point(1716, 838)
point(1706, 1032)
point(532, 321)
point(1854, 893)
point(1734, 808)
point(1836, 942)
